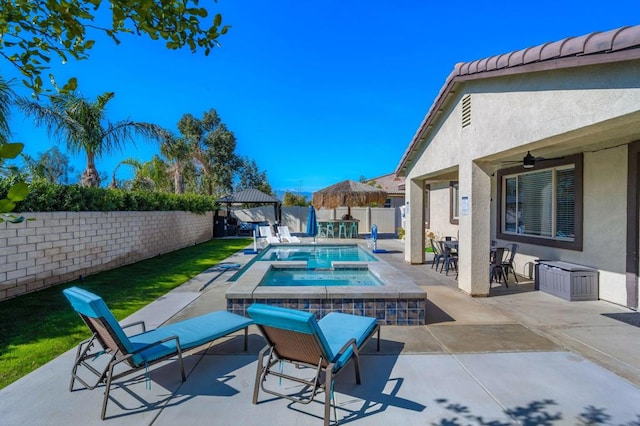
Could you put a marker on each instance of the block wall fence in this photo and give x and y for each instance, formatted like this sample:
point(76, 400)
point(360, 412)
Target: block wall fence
point(59, 247)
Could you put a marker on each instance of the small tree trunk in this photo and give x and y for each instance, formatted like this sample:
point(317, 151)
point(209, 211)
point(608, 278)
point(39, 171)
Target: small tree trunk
point(178, 182)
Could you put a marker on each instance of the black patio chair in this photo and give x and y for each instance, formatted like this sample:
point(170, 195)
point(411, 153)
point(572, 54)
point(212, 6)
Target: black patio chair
point(495, 266)
point(449, 256)
point(437, 253)
point(508, 263)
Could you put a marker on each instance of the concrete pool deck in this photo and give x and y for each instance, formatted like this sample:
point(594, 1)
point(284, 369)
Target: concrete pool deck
point(518, 357)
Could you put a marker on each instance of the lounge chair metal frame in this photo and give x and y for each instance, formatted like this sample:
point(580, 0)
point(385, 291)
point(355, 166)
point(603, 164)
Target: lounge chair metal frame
point(117, 356)
point(305, 350)
point(111, 343)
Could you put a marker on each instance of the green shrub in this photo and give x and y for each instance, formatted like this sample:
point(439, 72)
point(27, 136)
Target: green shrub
point(49, 197)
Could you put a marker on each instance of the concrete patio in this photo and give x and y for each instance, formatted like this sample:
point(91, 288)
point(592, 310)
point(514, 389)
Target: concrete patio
point(518, 357)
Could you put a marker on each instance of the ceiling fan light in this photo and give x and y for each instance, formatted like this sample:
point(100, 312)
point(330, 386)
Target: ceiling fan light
point(529, 161)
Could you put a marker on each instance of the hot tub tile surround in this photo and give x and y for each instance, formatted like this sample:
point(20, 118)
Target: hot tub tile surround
point(398, 302)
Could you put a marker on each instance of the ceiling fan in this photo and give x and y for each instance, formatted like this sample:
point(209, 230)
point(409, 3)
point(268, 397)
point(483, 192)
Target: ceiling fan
point(529, 161)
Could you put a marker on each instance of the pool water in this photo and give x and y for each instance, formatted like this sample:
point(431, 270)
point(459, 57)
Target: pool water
point(320, 277)
point(317, 256)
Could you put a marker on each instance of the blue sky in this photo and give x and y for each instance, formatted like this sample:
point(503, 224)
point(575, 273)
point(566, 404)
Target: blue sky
point(315, 92)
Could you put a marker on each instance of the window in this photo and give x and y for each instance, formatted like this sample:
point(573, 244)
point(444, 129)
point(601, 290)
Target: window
point(454, 203)
point(427, 206)
point(542, 205)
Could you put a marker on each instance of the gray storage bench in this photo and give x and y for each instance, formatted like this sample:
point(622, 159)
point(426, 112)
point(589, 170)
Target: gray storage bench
point(567, 280)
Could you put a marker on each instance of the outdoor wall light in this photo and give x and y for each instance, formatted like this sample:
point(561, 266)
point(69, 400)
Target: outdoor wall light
point(529, 161)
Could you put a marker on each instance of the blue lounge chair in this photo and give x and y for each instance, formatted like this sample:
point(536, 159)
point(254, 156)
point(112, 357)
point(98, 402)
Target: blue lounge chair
point(140, 350)
point(296, 337)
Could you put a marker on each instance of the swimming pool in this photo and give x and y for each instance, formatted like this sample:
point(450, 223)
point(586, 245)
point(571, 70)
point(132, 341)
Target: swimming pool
point(288, 276)
point(306, 279)
point(317, 256)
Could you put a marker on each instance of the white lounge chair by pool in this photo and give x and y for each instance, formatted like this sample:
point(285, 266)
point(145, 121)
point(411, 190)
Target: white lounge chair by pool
point(285, 235)
point(267, 233)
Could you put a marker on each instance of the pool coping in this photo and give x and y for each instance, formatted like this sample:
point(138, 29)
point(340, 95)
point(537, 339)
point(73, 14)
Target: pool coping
point(395, 284)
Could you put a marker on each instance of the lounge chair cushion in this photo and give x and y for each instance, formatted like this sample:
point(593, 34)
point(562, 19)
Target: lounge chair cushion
point(338, 328)
point(332, 331)
point(193, 332)
point(288, 319)
point(92, 305)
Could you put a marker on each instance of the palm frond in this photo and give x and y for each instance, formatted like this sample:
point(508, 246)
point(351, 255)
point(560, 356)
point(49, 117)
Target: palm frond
point(6, 100)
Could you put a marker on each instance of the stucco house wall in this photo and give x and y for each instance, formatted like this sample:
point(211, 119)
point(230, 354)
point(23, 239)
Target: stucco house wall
point(559, 110)
point(604, 225)
point(440, 205)
point(586, 106)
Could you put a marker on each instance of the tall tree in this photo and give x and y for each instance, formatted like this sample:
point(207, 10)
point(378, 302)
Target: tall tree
point(84, 127)
point(251, 177)
point(52, 165)
point(212, 146)
point(176, 150)
point(33, 31)
point(291, 199)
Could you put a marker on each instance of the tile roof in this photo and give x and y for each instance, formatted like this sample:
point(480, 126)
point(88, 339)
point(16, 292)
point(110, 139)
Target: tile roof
point(391, 183)
point(593, 43)
point(621, 44)
point(249, 196)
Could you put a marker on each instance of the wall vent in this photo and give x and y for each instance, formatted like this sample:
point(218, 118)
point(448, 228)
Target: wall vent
point(466, 111)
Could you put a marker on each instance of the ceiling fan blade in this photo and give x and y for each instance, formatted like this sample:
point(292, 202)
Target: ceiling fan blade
point(548, 159)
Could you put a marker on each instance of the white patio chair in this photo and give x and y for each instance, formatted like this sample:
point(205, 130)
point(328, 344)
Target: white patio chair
point(267, 233)
point(285, 235)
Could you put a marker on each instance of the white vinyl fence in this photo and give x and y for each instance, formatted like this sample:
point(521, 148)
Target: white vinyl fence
point(295, 217)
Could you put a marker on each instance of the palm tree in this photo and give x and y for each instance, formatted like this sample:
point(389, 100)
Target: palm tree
point(177, 151)
point(19, 190)
point(84, 127)
point(152, 175)
point(6, 98)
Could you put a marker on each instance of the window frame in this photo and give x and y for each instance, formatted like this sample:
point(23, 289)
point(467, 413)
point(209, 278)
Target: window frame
point(454, 193)
point(576, 244)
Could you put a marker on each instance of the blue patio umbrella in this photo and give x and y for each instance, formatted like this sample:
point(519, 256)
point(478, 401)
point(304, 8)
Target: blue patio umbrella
point(312, 224)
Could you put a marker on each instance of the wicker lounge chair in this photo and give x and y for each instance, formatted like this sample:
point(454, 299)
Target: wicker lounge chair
point(296, 337)
point(140, 350)
point(285, 235)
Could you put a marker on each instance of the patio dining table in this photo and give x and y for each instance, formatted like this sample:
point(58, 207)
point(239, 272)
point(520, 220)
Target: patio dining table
point(452, 244)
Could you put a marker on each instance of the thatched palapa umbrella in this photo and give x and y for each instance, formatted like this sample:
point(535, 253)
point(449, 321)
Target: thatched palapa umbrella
point(350, 194)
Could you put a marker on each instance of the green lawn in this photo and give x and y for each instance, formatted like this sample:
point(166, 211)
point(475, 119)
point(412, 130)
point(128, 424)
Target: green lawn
point(37, 327)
